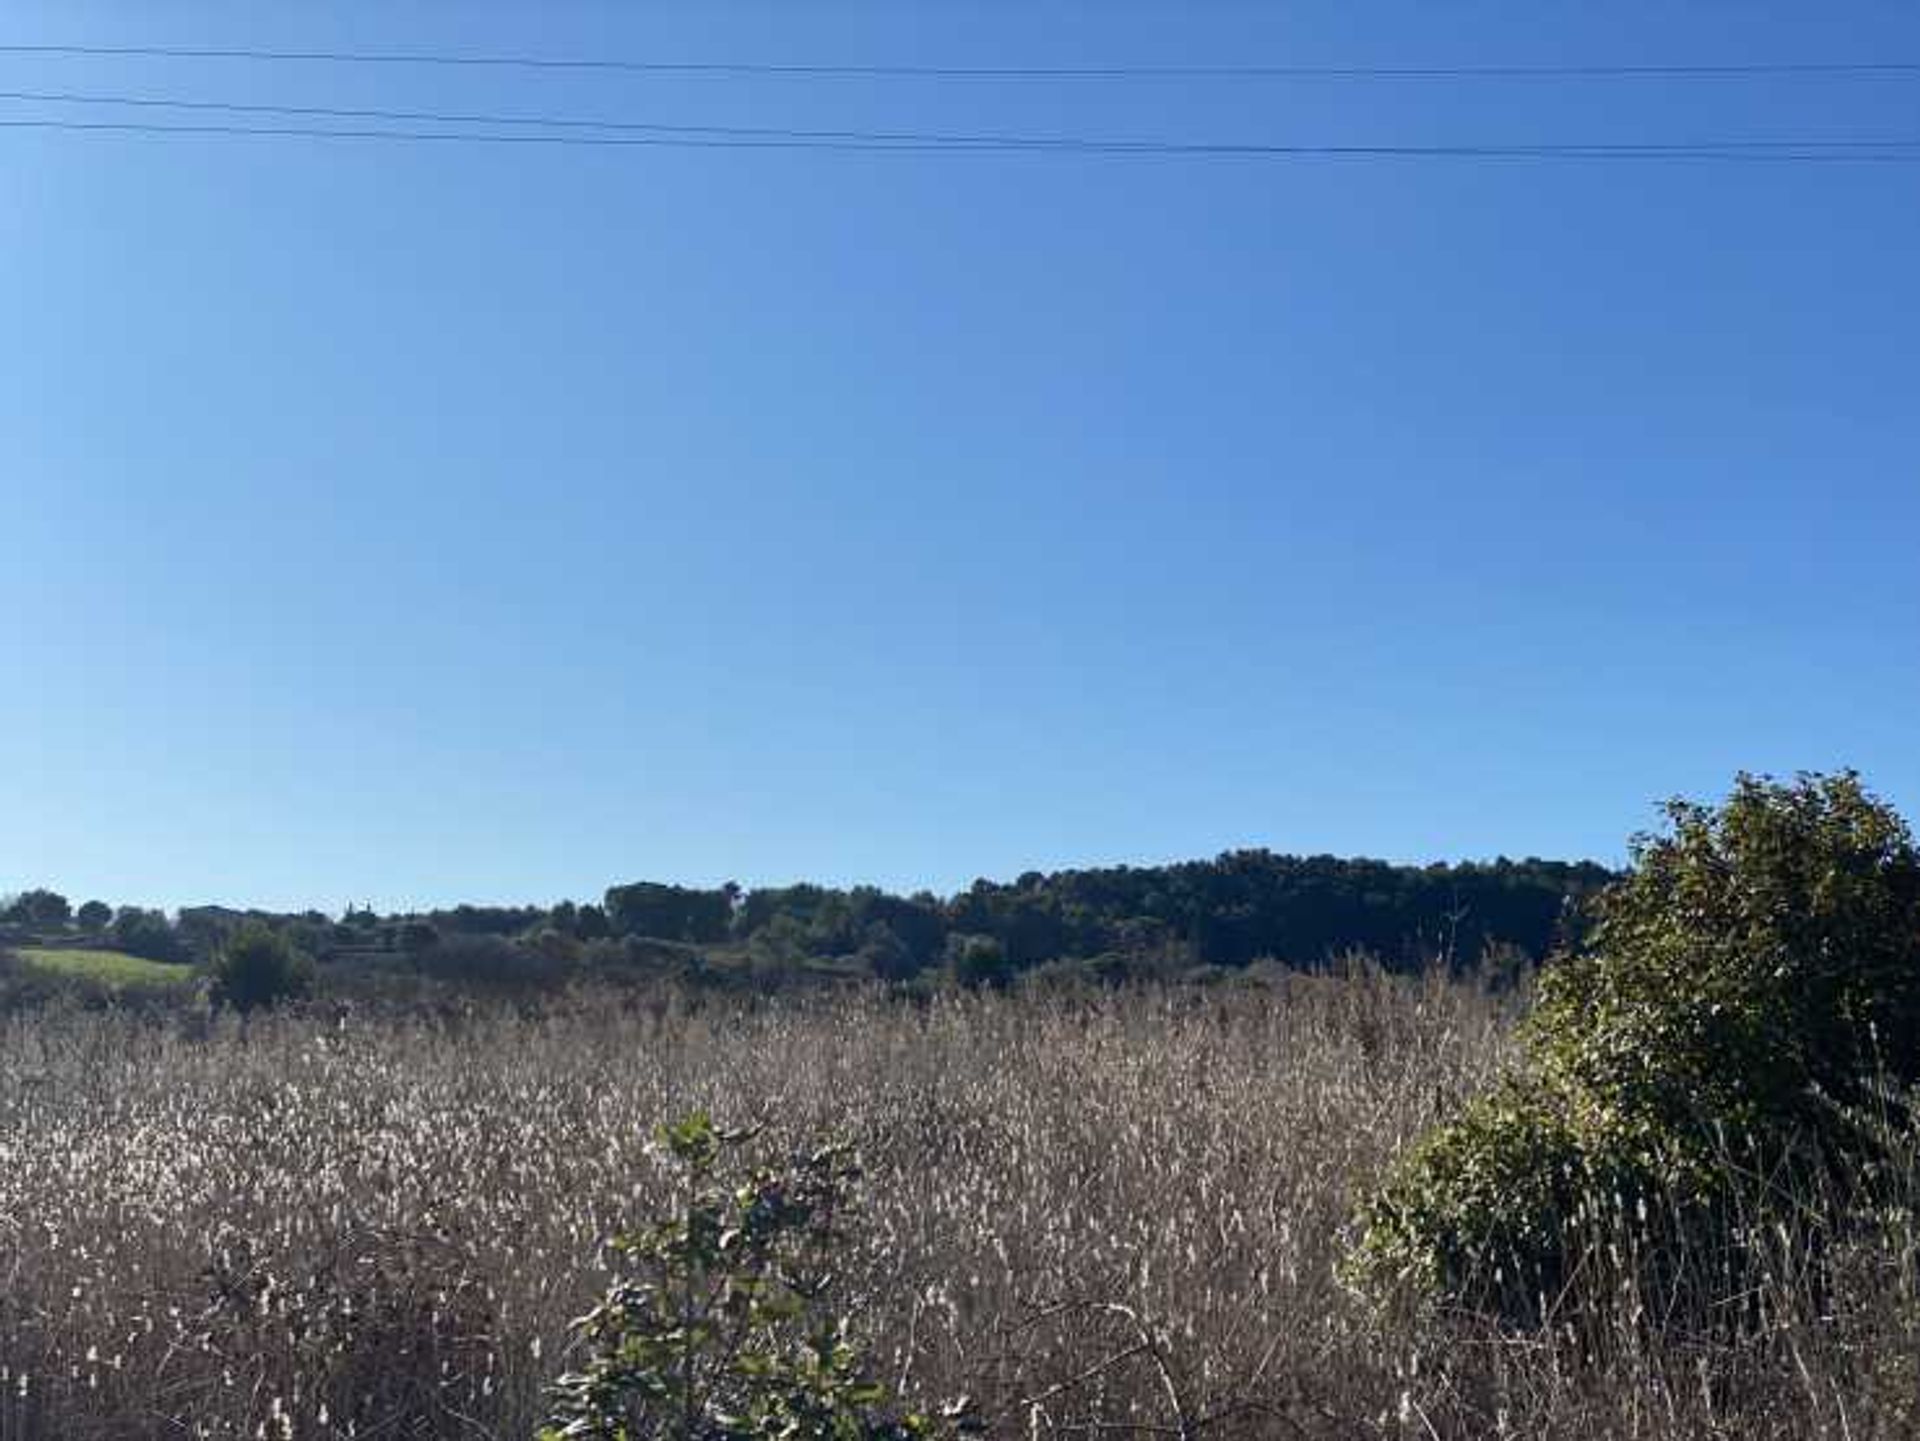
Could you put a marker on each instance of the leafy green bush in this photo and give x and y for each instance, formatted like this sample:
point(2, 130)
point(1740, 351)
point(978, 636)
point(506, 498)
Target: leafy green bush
point(147, 934)
point(1478, 1211)
point(723, 1331)
point(257, 967)
point(1746, 1001)
point(490, 963)
point(977, 961)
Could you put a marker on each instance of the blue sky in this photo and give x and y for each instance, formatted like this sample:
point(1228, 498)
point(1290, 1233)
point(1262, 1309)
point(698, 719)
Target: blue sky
point(413, 524)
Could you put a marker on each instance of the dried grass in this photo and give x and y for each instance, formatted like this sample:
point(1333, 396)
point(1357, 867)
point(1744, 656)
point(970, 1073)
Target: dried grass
point(1100, 1215)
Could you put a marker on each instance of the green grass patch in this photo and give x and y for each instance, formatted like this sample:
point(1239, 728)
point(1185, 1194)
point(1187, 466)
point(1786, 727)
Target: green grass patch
point(114, 968)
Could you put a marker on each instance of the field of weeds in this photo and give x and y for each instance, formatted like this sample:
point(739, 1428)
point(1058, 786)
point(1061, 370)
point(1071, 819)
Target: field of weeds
point(1111, 1215)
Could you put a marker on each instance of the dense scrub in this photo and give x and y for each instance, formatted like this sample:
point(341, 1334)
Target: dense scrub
point(1116, 1214)
point(1747, 1008)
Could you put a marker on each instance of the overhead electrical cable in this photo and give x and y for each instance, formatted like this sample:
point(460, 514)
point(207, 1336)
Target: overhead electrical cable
point(1862, 69)
point(961, 140)
point(580, 123)
point(1771, 151)
point(488, 128)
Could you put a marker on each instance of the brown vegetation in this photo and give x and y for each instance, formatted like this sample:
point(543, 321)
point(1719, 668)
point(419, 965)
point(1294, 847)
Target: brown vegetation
point(1108, 1214)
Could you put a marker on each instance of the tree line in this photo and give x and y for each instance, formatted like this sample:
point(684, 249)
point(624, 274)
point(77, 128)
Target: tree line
point(1240, 907)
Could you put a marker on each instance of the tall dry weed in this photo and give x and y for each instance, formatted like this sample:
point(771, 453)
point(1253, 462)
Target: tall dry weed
point(1098, 1215)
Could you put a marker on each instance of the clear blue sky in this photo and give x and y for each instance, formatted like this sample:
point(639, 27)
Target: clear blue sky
point(413, 524)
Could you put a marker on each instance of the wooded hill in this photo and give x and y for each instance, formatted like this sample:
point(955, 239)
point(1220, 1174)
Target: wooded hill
point(1240, 907)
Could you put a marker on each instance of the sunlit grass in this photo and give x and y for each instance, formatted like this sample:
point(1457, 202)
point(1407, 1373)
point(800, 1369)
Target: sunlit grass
point(114, 968)
point(1111, 1215)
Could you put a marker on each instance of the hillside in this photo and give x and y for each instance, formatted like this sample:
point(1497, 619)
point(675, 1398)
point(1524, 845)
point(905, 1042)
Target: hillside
point(1106, 923)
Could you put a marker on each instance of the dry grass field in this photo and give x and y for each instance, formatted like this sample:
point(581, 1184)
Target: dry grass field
point(1110, 1215)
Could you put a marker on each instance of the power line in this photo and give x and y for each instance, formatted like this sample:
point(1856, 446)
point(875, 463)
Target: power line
point(451, 136)
point(876, 138)
point(1905, 151)
point(886, 138)
point(740, 69)
point(403, 125)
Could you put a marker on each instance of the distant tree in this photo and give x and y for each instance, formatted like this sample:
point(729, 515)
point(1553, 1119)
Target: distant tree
point(886, 955)
point(39, 908)
point(553, 945)
point(1244, 906)
point(417, 936)
point(812, 920)
point(257, 967)
point(486, 920)
point(145, 933)
point(490, 961)
point(310, 933)
point(94, 916)
point(202, 930)
point(671, 913)
point(915, 922)
point(781, 944)
point(976, 961)
point(590, 924)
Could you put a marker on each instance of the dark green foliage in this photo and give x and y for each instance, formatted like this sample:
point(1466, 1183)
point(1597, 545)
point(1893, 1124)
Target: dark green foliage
point(884, 955)
point(1762, 962)
point(145, 933)
point(723, 1329)
point(202, 930)
point(257, 967)
point(817, 908)
point(914, 921)
point(671, 913)
point(41, 908)
point(1241, 907)
point(1154, 921)
point(976, 961)
point(416, 936)
point(310, 934)
point(1482, 1213)
point(94, 916)
point(477, 920)
point(1249, 905)
point(1746, 998)
point(490, 963)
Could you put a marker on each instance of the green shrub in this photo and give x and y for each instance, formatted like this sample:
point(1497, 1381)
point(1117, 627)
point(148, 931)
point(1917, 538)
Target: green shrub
point(1746, 1000)
point(1478, 1210)
point(146, 934)
point(723, 1330)
point(257, 967)
point(978, 961)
